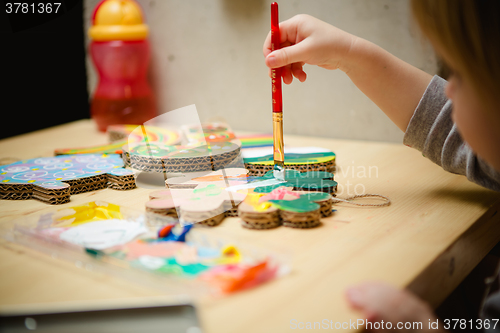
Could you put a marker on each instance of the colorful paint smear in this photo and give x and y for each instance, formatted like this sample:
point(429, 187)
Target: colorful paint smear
point(287, 200)
point(308, 181)
point(128, 134)
point(299, 155)
point(256, 141)
point(90, 212)
point(129, 245)
point(51, 172)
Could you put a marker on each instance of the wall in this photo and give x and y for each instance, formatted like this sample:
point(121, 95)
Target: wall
point(209, 53)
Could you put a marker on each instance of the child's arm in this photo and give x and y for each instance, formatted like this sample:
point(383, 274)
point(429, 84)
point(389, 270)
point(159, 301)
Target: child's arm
point(432, 132)
point(395, 86)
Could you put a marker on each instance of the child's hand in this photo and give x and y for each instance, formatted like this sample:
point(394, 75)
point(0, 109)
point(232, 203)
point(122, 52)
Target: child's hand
point(395, 86)
point(380, 301)
point(307, 40)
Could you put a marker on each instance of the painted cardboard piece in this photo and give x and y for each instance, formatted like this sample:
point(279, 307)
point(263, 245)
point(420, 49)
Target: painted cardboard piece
point(120, 135)
point(154, 149)
point(259, 161)
point(302, 181)
point(282, 206)
point(163, 158)
point(211, 146)
point(54, 179)
point(206, 198)
point(200, 197)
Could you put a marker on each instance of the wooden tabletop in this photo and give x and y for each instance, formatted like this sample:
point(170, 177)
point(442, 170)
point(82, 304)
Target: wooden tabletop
point(438, 227)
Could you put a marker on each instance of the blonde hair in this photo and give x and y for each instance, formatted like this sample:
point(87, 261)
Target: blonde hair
point(468, 31)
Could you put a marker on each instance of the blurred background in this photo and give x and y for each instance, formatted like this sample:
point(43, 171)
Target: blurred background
point(209, 53)
point(44, 80)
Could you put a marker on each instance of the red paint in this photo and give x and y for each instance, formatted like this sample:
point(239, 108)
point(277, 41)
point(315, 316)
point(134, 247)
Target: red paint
point(231, 278)
point(165, 231)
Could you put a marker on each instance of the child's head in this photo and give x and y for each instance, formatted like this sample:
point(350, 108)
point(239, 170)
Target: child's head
point(466, 34)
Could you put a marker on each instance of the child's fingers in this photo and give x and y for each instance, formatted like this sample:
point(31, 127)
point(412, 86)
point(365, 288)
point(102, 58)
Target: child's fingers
point(288, 34)
point(285, 44)
point(286, 73)
point(375, 297)
point(291, 50)
point(289, 29)
point(355, 298)
point(385, 302)
point(298, 72)
point(266, 49)
point(287, 55)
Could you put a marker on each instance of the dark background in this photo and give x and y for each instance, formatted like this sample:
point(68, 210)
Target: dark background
point(42, 68)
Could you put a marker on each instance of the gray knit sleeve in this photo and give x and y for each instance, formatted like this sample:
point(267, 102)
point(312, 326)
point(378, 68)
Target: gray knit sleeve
point(432, 132)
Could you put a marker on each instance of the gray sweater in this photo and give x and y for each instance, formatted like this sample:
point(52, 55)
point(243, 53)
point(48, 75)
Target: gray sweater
point(432, 132)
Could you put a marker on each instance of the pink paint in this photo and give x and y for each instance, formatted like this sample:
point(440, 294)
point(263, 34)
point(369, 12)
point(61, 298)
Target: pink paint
point(139, 248)
point(281, 193)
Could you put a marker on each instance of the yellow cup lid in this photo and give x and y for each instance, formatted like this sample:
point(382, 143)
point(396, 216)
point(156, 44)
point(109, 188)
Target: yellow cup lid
point(118, 20)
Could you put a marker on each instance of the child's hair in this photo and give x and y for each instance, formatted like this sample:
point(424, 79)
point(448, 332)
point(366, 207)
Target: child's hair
point(468, 31)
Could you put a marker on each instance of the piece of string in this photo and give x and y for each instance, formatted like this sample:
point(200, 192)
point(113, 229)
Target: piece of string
point(350, 200)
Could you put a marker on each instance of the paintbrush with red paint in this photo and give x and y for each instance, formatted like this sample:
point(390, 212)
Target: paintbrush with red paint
point(278, 145)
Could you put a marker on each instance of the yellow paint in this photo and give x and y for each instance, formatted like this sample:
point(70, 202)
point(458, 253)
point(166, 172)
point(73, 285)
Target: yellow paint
point(34, 169)
point(229, 255)
point(58, 178)
point(253, 200)
point(92, 211)
point(5, 180)
point(31, 181)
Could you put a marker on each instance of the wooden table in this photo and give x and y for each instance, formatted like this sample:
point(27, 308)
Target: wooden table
point(437, 229)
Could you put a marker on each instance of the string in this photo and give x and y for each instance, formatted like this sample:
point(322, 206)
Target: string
point(350, 200)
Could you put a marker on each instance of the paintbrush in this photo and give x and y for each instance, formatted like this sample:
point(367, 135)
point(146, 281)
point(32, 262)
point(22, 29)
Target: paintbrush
point(278, 149)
